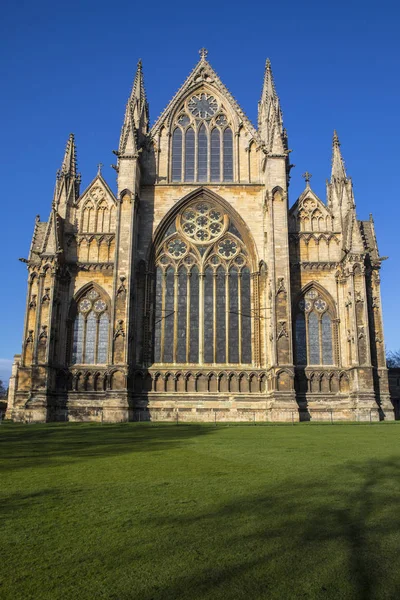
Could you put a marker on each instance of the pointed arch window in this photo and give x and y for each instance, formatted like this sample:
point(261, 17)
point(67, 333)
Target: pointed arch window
point(90, 330)
point(189, 155)
point(215, 155)
point(177, 155)
point(314, 324)
point(202, 149)
point(202, 154)
point(228, 155)
point(203, 302)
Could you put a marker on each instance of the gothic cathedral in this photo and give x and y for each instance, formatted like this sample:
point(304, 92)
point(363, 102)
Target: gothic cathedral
point(195, 292)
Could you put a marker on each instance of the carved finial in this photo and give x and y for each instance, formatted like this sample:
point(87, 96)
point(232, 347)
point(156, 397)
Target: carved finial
point(267, 65)
point(139, 65)
point(203, 53)
point(307, 176)
point(99, 167)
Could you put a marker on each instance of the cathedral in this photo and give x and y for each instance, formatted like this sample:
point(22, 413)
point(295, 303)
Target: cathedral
point(195, 293)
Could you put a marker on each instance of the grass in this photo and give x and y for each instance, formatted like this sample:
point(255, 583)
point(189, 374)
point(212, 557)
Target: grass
point(159, 511)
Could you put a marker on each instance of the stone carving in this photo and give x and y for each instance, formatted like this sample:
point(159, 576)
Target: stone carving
point(282, 330)
point(281, 285)
point(120, 329)
point(32, 303)
point(43, 333)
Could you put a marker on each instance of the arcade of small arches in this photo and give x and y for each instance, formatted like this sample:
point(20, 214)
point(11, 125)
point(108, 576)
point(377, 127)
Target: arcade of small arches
point(314, 382)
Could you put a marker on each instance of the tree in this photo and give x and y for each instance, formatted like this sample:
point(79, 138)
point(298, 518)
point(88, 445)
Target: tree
point(393, 359)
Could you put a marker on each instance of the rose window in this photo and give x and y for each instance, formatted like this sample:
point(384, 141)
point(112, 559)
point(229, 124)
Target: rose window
point(227, 248)
point(85, 305)
point(99, 306)
point(320, 305)
point(177, 248)
point(202, 222)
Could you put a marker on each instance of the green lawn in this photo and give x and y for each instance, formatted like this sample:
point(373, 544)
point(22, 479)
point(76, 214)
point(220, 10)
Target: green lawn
point(160, 511)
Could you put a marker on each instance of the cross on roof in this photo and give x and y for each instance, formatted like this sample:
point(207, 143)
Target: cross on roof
point(203, 53)
point(307, 176)
point(99, 167)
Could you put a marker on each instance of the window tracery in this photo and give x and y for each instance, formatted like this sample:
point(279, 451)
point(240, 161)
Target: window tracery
point(314, 330)
point(90, 330)
point(202, 142)
point(202, 290)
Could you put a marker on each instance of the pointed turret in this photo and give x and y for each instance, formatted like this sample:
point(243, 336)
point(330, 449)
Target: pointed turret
point(270, 120)
point(136, 121)
point(66, 189)
point(338, 168)
point(340, 187)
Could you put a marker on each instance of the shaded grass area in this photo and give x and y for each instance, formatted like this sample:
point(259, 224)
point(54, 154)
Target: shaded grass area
point(159, 511)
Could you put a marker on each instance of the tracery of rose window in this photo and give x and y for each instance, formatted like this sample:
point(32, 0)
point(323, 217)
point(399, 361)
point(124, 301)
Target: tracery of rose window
point(202, 290)
point(313, 331)
point(90, 330)
point(202, 142)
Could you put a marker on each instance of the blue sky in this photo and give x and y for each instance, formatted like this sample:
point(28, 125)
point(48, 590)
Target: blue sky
point(69, 68)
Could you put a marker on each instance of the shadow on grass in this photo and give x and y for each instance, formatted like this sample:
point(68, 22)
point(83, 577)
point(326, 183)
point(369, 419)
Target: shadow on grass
point(22, 446)
point(333, 539)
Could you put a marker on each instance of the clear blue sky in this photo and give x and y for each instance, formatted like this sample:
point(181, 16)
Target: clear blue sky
point(69, 68)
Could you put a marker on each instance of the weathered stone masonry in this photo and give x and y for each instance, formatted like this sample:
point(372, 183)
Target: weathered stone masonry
point(196, 291)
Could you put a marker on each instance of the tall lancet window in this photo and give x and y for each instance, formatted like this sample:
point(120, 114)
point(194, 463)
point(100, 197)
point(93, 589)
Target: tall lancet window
point(228, 155)
point(177, 155)
point(90, 330)
point(202, 154)
point(189, 154)
point(314, 330)
point(202, 142)
point(202, 290)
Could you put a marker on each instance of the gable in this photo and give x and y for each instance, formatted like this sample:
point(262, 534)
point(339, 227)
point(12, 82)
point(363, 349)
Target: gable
point(204, 80)
point(309, 213)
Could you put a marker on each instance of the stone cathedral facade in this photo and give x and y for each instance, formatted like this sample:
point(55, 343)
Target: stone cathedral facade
point(195, 292)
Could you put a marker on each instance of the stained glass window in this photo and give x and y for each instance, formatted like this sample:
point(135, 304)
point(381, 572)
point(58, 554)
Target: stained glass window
point(208, 316)
point(204, 158)
point(203, 304)
point(77, 346)
point(327, 355)
point(233, 317)
point(194, 316)
point(90, 344)
point(103, 339)
point(313, 336)
point(158, 315)
point(202, 155)
point(228, 155)
point(313, 331)
point(246, 316)
point(90, 330)
point(182, 315)
point(220, 320)
point(215, 155)
point(189, 155)
point(169, 315)
point(177, 155)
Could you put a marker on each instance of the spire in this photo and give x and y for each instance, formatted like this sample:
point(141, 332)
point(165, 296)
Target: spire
point(339, 188)
point(68, 180)
point(69, 164)
point(270, 121)
point(136, 121)
point(338, 168)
